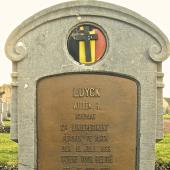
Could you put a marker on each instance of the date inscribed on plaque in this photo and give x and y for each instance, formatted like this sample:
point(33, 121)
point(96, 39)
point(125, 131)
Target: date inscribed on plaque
point(86, 122)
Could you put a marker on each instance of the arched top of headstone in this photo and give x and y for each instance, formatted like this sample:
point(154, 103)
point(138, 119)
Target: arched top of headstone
point(16, 50)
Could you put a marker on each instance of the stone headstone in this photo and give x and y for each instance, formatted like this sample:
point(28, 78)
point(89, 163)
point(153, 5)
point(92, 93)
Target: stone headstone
point(87, 88)
point(4, 111)
point(1, 122)
point(165, 107)
point(9, 110)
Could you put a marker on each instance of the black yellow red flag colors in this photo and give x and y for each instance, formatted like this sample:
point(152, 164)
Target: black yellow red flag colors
point(87, 44)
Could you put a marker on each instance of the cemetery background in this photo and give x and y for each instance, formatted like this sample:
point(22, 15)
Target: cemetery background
point(166, 140)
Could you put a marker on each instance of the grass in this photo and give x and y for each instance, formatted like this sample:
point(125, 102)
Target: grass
point(8, 150)
point(166, 116)
point(163, 150)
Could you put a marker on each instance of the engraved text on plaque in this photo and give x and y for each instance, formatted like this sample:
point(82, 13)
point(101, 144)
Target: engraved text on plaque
point(86, 122)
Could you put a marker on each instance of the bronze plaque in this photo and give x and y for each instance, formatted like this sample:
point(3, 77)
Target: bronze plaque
point(86, 122)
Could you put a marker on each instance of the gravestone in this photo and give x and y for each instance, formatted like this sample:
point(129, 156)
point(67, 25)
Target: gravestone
point(4, 111)
point(1, 122)
point(8, 109)
point(87, 88)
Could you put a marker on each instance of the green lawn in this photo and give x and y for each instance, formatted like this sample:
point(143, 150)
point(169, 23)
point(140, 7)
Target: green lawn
point(8, 150)
point(166, 116)
point(163, 149)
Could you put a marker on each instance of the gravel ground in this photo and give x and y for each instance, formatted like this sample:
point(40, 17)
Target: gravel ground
point(158, 166)
point(7, 168)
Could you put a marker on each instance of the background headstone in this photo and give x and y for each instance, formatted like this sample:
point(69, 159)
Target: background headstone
point(165, 107)
point(4, 111)
point(1, 122)
point(8, 110)
point(168, 102)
